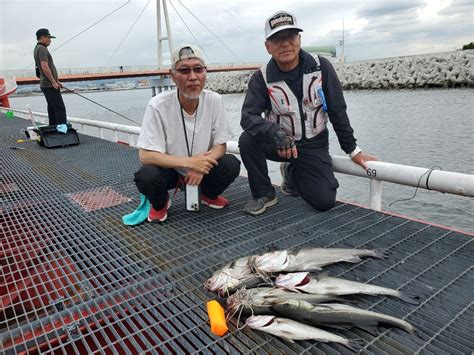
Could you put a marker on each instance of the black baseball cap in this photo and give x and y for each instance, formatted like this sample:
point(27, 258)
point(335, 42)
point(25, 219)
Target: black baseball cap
point(43, 32)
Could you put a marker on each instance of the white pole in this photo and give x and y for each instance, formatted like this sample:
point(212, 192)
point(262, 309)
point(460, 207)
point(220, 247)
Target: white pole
point(168, 36)
point(158, 32)
point(168, 27)
point(375, 202)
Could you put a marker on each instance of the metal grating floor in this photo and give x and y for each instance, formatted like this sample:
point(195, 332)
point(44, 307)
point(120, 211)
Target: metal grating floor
point(74, 280)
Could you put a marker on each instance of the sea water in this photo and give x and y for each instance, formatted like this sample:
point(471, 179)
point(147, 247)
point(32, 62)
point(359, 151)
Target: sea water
point(430, 128)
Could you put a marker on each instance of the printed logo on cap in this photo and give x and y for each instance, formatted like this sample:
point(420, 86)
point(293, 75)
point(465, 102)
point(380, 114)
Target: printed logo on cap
point(281, 19)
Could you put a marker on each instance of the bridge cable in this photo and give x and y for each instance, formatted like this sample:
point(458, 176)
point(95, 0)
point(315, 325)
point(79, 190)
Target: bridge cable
point(230, 50)
point(89, 27)
point(128, 32)
point(191, 32)
point(75, 92)
point(86, 29)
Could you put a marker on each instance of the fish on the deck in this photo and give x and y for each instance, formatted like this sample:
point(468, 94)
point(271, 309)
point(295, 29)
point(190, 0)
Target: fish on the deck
point(233, 276)
point(291, 330)
point(260, 300)
point(309, 259)
point(337, 315)
point(326, 285)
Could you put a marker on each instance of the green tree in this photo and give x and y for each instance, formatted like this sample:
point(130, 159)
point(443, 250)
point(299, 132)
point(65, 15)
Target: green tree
point(468, 46)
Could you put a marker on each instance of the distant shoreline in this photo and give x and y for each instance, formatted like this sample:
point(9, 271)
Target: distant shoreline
point(442, 70)
point(65, 92)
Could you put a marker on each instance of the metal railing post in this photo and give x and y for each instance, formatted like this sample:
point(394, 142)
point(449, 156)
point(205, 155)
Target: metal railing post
point(375, 202)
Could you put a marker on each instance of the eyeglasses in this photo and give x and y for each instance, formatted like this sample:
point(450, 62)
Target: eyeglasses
point(291, 37)
point(186, 71)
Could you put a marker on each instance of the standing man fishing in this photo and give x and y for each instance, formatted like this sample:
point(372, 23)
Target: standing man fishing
point(49, 82)
point(183, 137)
point(298, 94)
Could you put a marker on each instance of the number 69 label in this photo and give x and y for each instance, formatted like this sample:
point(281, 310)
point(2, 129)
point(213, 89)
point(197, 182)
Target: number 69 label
point(371, 172)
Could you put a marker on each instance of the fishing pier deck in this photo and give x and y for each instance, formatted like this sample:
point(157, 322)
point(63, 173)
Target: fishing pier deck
point(75, 279)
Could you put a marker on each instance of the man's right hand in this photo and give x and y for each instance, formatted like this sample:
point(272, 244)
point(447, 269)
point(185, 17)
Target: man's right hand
point(57, 85)
point(285, 145)
point(201, 163)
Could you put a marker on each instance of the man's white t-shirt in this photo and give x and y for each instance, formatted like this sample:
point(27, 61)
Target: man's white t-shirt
point(162, 127)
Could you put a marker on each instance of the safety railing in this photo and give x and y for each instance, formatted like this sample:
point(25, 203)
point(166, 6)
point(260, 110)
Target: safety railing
point(377, 172)
point(97, 128)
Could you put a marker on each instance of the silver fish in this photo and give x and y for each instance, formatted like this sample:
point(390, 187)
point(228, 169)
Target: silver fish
point(232, 276)
point(291, 330)
point(334, 314)
point(309, 259)
point(325, 285)
point(259, 300)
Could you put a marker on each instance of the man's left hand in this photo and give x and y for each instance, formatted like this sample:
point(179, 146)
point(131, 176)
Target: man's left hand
point(286, 147)
point(362, 158)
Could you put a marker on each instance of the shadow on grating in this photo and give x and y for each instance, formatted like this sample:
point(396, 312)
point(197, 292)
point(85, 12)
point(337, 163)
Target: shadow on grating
point(78, 280)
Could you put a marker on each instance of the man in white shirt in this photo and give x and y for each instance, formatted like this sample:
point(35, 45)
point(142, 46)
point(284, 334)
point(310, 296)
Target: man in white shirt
point(183, 139)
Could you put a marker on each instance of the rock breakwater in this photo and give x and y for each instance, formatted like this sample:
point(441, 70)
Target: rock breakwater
point(449, 69)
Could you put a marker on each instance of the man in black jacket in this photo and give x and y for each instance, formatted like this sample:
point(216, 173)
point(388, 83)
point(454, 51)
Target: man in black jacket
point(49, 82)
point(297, 94)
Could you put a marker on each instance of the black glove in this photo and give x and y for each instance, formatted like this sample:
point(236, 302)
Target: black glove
point(282, 141)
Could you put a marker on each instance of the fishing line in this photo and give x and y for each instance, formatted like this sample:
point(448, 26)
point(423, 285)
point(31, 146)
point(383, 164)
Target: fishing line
point(87, 28)
point(240, 315)
point(429, 171)
point(75, 92)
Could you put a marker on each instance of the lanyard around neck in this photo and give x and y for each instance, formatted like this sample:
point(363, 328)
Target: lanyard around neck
point(190, 152)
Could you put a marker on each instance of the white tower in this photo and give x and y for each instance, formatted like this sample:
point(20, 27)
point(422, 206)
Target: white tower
point(168, 36)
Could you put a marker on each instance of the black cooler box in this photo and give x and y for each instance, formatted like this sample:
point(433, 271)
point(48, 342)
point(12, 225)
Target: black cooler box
point(52, 138)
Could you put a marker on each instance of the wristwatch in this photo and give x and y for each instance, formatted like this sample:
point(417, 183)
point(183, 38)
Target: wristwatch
point(356, 151)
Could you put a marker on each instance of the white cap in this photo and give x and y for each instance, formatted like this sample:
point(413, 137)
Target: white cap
point(279, 21)
point(186, 52)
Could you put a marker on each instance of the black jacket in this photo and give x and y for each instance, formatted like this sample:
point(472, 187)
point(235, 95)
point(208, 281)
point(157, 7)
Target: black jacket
point(257, 101)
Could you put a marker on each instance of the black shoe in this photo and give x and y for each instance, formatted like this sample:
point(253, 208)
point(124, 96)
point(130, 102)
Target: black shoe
point(260, 205)
point(285, 186)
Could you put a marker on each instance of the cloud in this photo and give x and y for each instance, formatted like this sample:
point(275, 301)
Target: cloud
point(376, 9)
point(459, 7)
point(373, 29)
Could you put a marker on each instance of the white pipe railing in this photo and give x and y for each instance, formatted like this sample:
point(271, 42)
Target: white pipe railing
point(378, 171)
point(436, 180)
point(81, 123)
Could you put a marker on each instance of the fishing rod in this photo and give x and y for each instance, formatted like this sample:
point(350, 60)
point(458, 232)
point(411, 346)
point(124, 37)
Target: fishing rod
point(75, 92)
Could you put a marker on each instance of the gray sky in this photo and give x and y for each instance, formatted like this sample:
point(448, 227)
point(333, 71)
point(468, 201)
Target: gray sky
point(373, 29)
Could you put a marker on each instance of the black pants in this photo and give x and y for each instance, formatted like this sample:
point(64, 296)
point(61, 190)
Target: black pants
point(311, 174)
point(56, 108)
point(154, 182)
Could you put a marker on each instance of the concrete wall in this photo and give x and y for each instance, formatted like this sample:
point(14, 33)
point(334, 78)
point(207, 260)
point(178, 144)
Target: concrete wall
point(449, 69)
